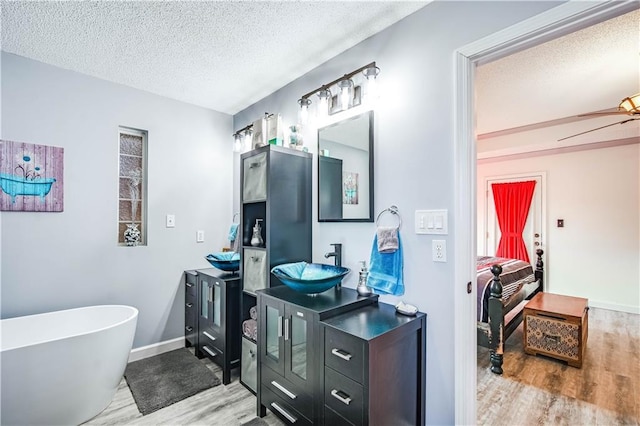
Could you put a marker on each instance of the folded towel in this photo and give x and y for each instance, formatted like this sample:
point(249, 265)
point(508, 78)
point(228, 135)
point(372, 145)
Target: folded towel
point(253, 313)
point(233, 232)
point(250, 329)
point(385, 270)
point(387, 239)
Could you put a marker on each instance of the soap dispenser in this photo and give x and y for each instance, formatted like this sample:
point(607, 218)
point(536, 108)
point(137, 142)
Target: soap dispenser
point(362, 288)
point(256, 238)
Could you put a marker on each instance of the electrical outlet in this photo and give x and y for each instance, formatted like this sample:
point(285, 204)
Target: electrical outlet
point(171, 220)
point(199, 236)
point(439, 250)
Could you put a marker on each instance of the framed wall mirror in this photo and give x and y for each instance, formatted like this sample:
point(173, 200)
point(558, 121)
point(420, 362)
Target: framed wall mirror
point(345, 170)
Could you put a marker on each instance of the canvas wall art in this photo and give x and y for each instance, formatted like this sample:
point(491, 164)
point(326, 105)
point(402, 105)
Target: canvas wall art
point(31, 177)
point(349, 188)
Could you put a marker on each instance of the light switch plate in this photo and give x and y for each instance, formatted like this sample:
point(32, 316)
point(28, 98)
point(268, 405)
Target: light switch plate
point(199, 236)
point(431, 222)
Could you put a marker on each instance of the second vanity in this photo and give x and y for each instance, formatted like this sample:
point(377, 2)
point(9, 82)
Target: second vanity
point(339, 358)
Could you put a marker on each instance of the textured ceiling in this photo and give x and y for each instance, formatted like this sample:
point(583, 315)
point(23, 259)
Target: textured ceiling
point(217, 54)
point(589, 70)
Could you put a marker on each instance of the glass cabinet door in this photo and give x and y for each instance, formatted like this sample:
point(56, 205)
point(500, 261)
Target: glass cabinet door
point(204, 297)
point(299, 340)
point(271, 333)
point(216, 306)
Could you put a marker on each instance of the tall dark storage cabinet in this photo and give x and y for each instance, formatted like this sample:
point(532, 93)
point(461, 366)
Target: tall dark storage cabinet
point(275, 189)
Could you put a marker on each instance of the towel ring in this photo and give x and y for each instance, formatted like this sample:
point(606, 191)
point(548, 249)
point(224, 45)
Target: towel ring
point(394, 211)
point(234, 217)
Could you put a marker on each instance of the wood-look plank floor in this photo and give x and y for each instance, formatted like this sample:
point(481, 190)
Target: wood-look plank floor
point(230, 405)
point(538, 390)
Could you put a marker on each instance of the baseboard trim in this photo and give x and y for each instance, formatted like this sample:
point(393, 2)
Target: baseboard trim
point(156, 349)
point(614, 307)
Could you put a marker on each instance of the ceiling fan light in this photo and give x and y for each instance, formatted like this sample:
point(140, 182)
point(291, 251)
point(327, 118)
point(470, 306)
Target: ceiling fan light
point(631, 104)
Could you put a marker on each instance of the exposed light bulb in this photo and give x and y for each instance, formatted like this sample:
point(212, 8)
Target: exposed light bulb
point(345, 93)
point(371, 90)
point(237, 143)
point(247, 139)
point(303, 112)
point(323, 103)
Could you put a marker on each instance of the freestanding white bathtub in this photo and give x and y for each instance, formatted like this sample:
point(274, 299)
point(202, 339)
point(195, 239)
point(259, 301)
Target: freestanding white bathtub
point(63, 368)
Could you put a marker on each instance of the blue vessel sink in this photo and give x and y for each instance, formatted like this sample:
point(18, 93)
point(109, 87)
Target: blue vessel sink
point(227, 261)
point(310, 278)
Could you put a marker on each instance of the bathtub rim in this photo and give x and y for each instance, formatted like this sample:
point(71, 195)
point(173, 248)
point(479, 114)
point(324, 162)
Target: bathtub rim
point(134, 314)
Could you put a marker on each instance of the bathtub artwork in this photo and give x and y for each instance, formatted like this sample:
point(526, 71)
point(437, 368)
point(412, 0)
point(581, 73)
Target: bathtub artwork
point(31, 177)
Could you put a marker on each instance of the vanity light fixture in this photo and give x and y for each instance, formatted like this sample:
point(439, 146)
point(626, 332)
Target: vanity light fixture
point(237, 142)
point(303, 114)
point(349, 95)
point(346, 96)
point(242, 138)
point(371, 91)
point(324, 97)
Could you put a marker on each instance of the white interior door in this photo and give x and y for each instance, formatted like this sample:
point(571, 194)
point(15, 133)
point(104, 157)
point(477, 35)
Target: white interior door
point(533, 233)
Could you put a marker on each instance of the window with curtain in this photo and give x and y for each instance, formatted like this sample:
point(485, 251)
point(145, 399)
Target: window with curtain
point(132, 177)
point(512, 201)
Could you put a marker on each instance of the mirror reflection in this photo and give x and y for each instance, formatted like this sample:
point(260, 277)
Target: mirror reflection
point(345, 170)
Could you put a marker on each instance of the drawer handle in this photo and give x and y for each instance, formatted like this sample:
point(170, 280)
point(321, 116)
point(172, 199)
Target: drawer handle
point(284, 412)
point(553, 337)
point(189, 329)
point(209, 351)
point(341, 354)
point(208, 335)
point(189, 305)
point(337, 395)
point(283, 389)
point(189, 285)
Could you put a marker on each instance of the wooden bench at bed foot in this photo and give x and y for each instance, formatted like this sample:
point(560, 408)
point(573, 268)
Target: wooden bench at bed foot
point(556, 326)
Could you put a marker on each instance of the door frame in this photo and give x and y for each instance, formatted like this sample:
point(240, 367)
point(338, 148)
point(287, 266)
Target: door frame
point(561, 20)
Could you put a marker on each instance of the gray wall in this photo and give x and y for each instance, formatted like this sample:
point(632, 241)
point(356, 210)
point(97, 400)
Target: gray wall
point(414, 161)
point(62, 260)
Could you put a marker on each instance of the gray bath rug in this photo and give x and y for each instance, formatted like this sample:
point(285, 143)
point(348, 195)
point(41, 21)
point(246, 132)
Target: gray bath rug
point(165, 379)
point(256, 421)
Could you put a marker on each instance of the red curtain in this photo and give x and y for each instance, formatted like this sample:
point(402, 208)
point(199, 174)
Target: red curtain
point(512, 202)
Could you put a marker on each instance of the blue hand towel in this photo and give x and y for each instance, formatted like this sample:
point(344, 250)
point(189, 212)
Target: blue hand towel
point(385, 273)
point(233, 232)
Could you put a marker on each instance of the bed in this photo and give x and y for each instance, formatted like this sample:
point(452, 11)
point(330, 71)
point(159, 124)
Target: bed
point(504, 287)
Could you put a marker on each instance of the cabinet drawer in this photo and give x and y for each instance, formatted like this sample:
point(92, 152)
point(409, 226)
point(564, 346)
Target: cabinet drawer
point(190, 284)
point(255, 178)
point(211, 352)
point(249, 364)
point(286, 390)
point(334, 419)
point(212, 339)
point(281, 408)
point(344, 354)
point(255, 270)
point(343, 395)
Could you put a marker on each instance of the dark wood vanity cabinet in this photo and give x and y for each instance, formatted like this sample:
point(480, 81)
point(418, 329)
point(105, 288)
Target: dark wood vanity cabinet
point(290, 362)
point(212, 317)
point(374, 367)
point(191, 310)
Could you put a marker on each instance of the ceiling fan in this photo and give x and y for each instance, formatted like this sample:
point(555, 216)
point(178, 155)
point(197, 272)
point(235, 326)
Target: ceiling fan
point(629, 106)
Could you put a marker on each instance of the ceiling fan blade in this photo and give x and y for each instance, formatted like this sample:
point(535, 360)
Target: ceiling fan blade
point(593, 114)
point(598, 128)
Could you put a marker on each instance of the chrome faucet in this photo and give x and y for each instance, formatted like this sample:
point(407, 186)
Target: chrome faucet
point(336, 254)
